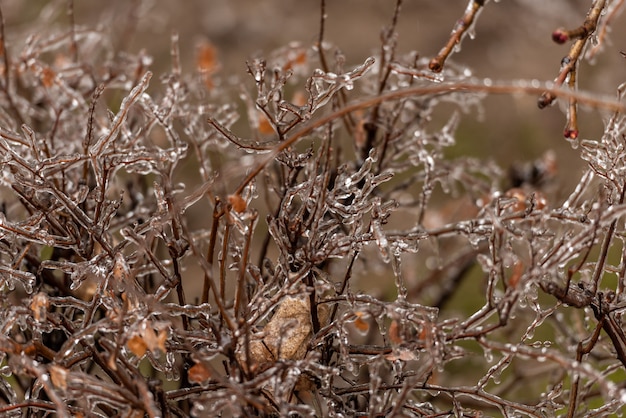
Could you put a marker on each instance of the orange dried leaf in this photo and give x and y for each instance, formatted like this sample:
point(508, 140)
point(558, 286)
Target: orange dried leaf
point(265, 127)
point(394, 332)
point(28, 349)
point(296, 60)
point(150, 339)
point(237, 203)
point(137, 346)
point(539, 200)
point(520, 196)
point(518, 270)
point(39, 305)
point(301, 58)
point(207, 62)
point(58, 376)
point(360, 323)
point(47, 77)
point(198, 373)
point(424, 334)
point(206, 57)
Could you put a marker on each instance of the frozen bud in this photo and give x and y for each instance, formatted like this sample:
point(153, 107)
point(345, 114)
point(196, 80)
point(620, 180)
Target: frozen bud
point(560, 36)
point(569, 133)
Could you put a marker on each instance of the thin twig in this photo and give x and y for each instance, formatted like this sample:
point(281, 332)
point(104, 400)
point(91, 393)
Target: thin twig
point(458, 33)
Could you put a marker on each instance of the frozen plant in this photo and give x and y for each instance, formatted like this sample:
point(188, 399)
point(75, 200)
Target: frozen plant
point(309, 240)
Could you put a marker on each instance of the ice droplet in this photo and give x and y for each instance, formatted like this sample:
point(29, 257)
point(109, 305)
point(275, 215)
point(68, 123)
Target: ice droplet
point(488, 355)
point(29, 281)
point(497, 378)
point(6, 371)
point(574, 142)
point(475, 240)
point(347, 82)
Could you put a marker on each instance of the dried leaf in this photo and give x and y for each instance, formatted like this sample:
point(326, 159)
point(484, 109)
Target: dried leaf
point(206, 57)
point(137, 346)
point(237, 203)
point(58, 376)
point(47, 77)
point(207, 62)
point(289, 330)
point(39, 305)
point(286, 335)
point(199, 373)
point(519, 196)
point(297, 58)
point(360, 323)
point(518, 271)
point(394, 333)
point(265, 127)
point(154, 342)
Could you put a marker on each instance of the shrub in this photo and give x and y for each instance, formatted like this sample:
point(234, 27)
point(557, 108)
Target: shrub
point(308, 241)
